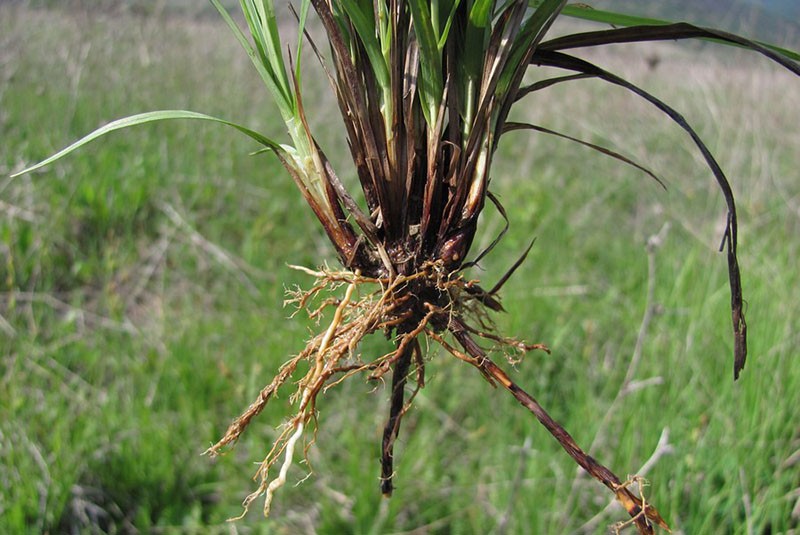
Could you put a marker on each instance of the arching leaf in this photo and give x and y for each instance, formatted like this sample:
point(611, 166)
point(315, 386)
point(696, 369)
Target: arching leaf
point(150, 117)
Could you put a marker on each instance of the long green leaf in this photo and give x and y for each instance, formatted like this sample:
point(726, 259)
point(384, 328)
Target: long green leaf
point(363, 20)
point(529, 37)
point(301, 26)
point(670, 32)
point(622, 19)
point(585, 12)
point(476, 36)
point(511, 126)
point(263, 23)
point(431, 84)
point(267, 76)
point(150, 117)
point(448, 24)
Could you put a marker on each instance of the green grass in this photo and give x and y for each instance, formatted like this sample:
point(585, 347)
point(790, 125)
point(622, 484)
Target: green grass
point(129, 342)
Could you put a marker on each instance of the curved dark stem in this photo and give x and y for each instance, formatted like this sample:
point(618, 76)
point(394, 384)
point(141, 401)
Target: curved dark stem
point(641, 513)
point(396, 411)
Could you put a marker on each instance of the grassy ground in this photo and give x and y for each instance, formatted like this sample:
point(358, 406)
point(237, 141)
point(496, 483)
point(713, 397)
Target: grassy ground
point(142, 287)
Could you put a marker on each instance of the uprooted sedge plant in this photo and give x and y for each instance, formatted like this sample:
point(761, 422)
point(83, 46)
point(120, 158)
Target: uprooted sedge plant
point(425, 91)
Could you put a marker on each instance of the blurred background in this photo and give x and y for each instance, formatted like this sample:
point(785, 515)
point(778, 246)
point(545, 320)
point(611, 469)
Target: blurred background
point(142, 283)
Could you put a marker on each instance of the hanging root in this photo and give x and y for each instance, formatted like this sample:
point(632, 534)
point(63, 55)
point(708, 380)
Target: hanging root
point(428, 303)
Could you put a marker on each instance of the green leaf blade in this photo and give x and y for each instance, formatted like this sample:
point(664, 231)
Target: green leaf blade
point(144, 118)
point(531, 33)
point(625, 20)
point(591, 14)
point(363, 20)
point(431, 83)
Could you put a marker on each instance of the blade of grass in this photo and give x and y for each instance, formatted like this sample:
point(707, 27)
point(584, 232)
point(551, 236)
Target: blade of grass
point(282, 99)
point(671, 32)
point(586, 12)
point(624, 20)
point(476, 36)
point(149, 117)
point(511, 126)
point(532, 32)
point(431, 83)
point(260, 16)
point(442, 38)
point(301, 28)
point(361, 16)
point(528, 40)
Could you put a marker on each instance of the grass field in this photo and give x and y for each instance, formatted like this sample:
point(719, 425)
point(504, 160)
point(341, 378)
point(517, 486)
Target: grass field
point(142, 281)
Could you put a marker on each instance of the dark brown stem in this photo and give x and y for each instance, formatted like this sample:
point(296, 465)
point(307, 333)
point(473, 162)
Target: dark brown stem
point(396, 410)
point(634, 505)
